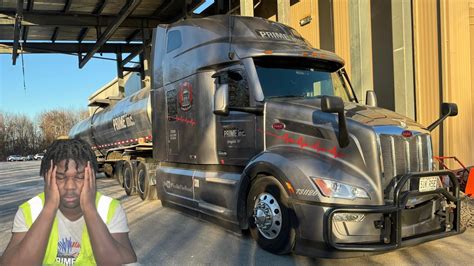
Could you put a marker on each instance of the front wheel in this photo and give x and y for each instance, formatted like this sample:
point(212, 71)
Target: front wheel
point(269, 216)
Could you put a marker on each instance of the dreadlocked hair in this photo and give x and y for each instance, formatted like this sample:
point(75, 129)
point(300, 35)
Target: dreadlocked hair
point(68, 149)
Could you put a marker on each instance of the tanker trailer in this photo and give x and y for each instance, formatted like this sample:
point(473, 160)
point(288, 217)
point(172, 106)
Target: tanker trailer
point(256, 130)
point(118, 133)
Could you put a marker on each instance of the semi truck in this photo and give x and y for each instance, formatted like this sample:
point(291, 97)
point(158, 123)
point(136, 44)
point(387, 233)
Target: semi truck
point(248, 125)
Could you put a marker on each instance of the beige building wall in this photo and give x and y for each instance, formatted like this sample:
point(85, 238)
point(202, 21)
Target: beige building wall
point(110, 89)
point(341, 32)
point(301, 10)
point(456, 58)
point(426, 65)
point(471, 30)
point(471, 27)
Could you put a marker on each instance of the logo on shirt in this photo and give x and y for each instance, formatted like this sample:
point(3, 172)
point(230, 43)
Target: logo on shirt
point(68, 250)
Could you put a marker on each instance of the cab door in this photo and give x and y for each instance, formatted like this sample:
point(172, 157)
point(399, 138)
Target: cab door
point(236, 133)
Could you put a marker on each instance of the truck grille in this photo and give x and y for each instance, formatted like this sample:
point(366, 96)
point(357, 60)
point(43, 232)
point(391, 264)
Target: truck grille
point(401, 155)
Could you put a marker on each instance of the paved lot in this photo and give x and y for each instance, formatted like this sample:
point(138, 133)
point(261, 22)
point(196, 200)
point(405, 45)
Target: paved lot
point(163, 236)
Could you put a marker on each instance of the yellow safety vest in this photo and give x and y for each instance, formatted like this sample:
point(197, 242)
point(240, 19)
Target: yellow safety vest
point(106, 207)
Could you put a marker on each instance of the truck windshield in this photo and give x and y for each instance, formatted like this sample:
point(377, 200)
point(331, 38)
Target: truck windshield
point(293, 78)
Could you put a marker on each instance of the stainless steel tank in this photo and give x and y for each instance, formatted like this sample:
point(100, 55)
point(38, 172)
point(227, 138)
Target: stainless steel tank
point(123, 124)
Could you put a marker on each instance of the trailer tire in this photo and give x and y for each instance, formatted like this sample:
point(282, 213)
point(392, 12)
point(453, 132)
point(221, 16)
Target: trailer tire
point(118, 172)
point(145, 188)
point(267, 197)
point(467, 211)
point(128, 178)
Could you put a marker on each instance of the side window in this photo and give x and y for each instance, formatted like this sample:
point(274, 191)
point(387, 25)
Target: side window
point(239, 93)
point(174, 41)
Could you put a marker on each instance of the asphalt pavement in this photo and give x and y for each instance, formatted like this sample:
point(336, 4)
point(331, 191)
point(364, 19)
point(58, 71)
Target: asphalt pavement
point(164, 236)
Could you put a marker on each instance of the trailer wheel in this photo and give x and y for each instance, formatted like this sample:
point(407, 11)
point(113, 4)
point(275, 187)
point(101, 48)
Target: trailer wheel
point(269, 216)
point(118, 172)
point(145, 188)
point(128, 178)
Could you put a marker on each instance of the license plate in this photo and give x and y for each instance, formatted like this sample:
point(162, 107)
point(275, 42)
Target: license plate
point(428, 183)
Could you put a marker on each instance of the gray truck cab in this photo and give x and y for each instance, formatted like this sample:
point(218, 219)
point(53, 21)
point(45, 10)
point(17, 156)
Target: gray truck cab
point(256, 130)
point(259, 129)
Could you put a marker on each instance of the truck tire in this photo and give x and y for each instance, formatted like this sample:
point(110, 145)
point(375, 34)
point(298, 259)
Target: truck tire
point(118, 172)
point(269, 217)
point(128, 178)
point(145, 188)
point(467, 211)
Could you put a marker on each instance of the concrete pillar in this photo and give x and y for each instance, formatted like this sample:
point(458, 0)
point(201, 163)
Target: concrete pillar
point(403, 58)
point(361, 47)
point(283, 8)
point(246, 8)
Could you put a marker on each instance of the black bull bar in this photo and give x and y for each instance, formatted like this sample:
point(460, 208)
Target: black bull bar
point(392, 223)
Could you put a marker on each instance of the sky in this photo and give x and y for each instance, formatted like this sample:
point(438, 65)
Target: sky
point(53, 81)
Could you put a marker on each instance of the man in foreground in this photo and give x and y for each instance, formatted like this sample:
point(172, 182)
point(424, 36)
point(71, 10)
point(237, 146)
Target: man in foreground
point(69, 223)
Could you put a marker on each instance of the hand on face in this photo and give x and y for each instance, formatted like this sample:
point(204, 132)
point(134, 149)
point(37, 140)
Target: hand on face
point(51, 190)
point(88, 190)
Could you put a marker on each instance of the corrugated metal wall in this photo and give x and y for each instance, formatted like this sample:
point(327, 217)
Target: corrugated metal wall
point(471, 27)
point(301, 10)
point(426, 65)
point(458, 131)
point(341, 31)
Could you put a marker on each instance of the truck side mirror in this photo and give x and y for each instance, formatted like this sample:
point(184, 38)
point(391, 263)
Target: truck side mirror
point(332, 104)
point(371, 98)
point(221, 100)
point(447, 109)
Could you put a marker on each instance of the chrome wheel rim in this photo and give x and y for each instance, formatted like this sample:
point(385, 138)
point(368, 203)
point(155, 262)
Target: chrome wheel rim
point(267, 216)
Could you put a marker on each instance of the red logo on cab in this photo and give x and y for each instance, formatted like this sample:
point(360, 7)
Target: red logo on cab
point(407, 133)
point(278, 126)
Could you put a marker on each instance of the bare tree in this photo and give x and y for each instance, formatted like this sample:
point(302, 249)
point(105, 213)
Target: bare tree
point(17, 135)
point(57, 123)
point(20, 135)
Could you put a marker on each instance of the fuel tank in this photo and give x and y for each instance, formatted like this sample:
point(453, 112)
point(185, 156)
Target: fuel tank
point(122, 124)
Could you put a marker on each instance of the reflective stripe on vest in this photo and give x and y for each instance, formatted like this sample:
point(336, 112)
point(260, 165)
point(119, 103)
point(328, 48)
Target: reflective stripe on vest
point(103, 207)
point(31, 209)
point(36, 205)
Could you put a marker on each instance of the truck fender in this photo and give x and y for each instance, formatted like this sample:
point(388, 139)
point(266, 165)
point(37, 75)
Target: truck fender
point(264, 164)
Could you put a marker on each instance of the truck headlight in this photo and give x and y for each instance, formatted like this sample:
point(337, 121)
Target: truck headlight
point(333, 189)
